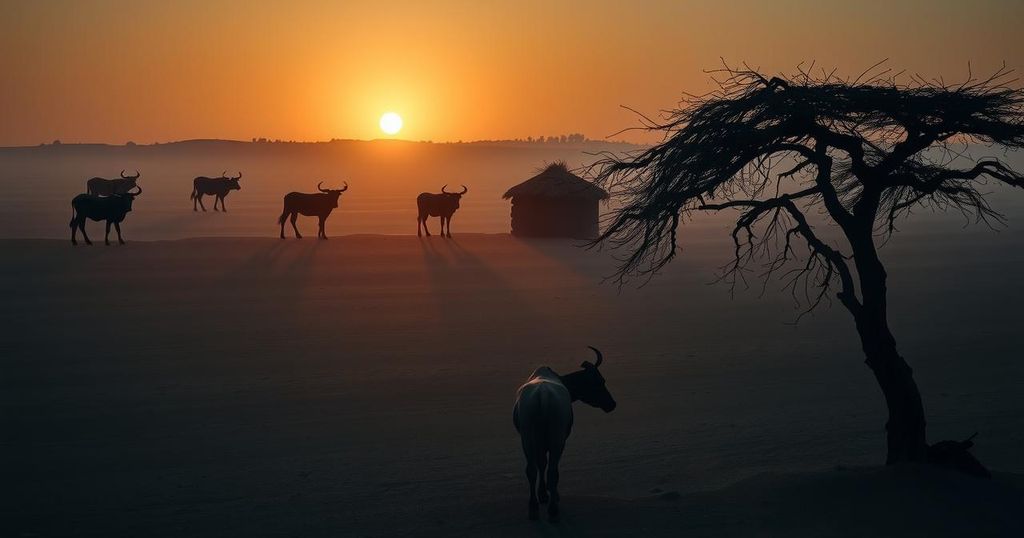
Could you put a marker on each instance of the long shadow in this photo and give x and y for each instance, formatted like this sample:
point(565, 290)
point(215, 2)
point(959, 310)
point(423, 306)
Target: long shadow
point(455, 271)
point(283, 268)
point(575, 277)
point(573, 255)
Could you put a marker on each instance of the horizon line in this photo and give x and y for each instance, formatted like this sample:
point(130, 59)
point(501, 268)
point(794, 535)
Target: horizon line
point(547, 141)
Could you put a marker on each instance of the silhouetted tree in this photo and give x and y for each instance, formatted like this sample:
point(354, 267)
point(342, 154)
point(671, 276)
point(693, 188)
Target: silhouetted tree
point(866, 151)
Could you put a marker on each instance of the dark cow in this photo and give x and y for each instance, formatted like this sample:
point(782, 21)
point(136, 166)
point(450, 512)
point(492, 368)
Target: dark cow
point(111, 208)
point(543, 417)
point(219, 187)
point(437, 205)
point(99, 186)
point(319, 205)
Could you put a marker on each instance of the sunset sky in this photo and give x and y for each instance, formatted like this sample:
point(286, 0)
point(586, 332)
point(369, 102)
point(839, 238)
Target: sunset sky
point(117, 71)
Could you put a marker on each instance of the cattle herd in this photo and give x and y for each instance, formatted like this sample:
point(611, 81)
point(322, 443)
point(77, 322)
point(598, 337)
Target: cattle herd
point(111, 200)
point(542, 413)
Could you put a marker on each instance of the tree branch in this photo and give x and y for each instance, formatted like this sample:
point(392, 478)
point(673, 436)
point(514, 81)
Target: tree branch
point(835, 261)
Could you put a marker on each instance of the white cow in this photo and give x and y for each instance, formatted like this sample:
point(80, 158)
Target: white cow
point(543, 417)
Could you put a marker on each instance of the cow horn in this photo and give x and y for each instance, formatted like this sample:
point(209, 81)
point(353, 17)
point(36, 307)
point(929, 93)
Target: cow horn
point(443, 188)
point(345, 188)
point(464, 190)
point(600, 358)
point(319, 187)
point(136, 193)
point(122, 174)
point(137, 174)
point(239, 176)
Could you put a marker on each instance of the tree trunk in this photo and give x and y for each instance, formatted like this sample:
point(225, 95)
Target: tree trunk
point(905, 429)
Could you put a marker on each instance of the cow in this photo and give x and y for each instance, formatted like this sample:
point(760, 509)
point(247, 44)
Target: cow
point(319, 205)
point(543, 417)
point(111, 208)
point(99, 186)
point(437, 205)
point(219, 187)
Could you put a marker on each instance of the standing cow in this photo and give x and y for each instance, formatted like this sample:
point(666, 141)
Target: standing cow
point(99, 186)
point(319, 205)
point(219, 187)
point(111, 208)
point(437, 205)
point(543, 417)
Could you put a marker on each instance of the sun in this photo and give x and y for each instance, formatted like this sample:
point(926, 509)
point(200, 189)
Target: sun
point(391, 123)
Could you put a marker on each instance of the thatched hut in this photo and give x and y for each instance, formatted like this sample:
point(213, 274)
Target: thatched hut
point(555, 203)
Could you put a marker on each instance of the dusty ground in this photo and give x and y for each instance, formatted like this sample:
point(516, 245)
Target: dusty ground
point(363, 387)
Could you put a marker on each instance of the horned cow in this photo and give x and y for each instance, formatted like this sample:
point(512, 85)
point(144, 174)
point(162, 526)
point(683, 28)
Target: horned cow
point(319, 205)
point(543, 417)
point(99, 186)
point(111, 208)
point(437, 205)
point(219, 187)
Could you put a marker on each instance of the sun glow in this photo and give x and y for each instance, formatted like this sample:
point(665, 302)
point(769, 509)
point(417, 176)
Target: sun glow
point(391, 123)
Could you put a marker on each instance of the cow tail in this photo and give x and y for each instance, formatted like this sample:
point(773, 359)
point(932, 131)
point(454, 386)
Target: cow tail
point(193, 195)
point(281, 219)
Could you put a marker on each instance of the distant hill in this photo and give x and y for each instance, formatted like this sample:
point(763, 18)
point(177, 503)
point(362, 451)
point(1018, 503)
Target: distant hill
point(256, 145)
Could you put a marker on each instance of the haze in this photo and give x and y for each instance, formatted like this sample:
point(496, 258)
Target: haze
point(119, 71)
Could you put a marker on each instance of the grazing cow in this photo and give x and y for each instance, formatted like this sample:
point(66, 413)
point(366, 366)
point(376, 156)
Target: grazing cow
point(543, 417)
point(319, 205)
point(111, 208)
point(219, 187)
point(437, 205)
point(99, 186)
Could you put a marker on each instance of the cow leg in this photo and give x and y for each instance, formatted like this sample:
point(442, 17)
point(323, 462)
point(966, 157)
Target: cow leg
point(531, 475)
point(74, 231)
point(222, 208)
point(294, 217)
point(529, 443)
point(117, 226)
point(81, 226)
point(542, 486)
point(106, 237)
point(554, 455)
point(194, 206)
point(449, 226)
point(199, 197)
point(321, 234)
point(425, 228)
point(419, 225)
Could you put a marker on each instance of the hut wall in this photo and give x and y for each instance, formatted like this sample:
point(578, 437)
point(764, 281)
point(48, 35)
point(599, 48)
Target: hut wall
point(555, 217)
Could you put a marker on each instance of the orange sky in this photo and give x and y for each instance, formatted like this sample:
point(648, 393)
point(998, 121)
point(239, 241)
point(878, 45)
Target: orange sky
point(115, 71)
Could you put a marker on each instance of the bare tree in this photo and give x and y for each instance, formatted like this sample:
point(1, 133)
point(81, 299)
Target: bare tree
point(862, 152)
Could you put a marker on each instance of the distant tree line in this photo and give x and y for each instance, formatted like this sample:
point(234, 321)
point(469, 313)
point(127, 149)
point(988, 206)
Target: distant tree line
point(573, 138)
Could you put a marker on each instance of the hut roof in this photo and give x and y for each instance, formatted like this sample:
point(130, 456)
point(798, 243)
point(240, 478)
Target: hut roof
point(556, 181)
